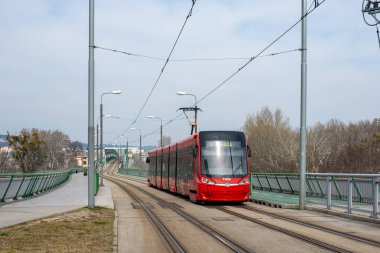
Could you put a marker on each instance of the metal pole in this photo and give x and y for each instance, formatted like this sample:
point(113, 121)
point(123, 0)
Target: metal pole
point(375, 197)
point(101, 143)
point(97, 143)
point(328, 193)
point(302, 193)
point(140, 148)
point(161, 133)
point(127, 156)
point(196, 117)
point(196, 120)
point(91, 75)
point(350, 183)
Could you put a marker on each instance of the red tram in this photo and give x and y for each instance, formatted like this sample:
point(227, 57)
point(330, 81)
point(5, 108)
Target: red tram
point(206, 166)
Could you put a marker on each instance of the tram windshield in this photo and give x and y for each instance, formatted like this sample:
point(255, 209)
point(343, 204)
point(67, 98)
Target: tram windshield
point(224, 158)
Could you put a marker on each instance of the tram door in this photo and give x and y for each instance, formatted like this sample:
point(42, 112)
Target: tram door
point(193, 171)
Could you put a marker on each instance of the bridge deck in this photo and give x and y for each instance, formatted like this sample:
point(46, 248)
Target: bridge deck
point(70, 196)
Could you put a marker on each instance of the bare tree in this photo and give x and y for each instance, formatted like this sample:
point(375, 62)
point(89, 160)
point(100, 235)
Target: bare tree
point(166, 140)
point(318, 148)
point(331, 147)
point(271, 140)
point(55, 148)
point(74, 149)
point(5, 161)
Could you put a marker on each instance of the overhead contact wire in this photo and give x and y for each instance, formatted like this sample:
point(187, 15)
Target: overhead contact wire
point(316, 5)
point(163, 68)
point(261, 52)
point(311, 10)
point(194, 59)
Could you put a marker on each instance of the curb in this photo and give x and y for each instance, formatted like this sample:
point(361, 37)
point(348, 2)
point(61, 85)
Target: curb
point(345, 215)
point(274, 204)
point(115, 234)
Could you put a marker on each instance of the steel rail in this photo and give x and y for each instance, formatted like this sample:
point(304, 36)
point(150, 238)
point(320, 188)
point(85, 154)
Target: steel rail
point(171, 243)
point(228, 242)
point(307, 239)
point(318, 227)
point(135, 179)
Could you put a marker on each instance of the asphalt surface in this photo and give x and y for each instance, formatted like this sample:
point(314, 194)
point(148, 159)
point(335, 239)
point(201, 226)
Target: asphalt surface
point(70, 196)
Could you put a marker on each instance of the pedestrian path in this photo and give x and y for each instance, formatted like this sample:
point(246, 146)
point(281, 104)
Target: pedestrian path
point(360, 211)
point(70, 196)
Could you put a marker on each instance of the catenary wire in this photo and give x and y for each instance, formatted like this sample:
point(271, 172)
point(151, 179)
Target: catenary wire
point(162, 69)
point(262, 51)
point(196, 59)
point(310, 10)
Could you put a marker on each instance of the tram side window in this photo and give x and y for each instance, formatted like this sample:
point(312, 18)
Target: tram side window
point(152, 165)
point(159, 164)
point(189, 162)
point(172, 164)
point(180, 164)
point(185, 163)
point(165, 165)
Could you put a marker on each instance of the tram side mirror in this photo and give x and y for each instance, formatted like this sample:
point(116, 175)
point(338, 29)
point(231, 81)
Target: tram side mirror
point(249, 151)
point(147, 160)
point(195, 150)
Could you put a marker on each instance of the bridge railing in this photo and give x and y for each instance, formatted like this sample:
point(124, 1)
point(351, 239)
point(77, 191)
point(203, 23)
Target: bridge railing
point(355, 192)
point(138, 172)
point(16, 186)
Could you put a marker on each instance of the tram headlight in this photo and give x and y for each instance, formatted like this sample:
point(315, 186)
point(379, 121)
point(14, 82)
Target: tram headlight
point(207, 181)
point(244, 181)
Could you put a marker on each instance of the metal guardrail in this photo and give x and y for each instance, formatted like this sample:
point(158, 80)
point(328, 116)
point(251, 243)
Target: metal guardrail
point(137, 172)
point(354, 192)
point(16, 186)
point(96, 185)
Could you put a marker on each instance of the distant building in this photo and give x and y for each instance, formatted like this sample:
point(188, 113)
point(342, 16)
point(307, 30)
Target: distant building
point(82, 160)
point(5, 150)
point(376, 122)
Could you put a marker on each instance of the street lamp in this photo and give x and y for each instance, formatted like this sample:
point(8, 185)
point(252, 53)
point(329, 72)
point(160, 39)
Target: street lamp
point(155, 117)
point(133, 128)
point(182, 93)
point(115, 92)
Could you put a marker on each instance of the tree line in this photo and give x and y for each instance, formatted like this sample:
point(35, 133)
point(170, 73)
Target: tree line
point(333, 147)
point(39, 150)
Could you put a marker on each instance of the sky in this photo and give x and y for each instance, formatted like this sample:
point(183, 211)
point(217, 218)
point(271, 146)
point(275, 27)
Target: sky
point(44, 64)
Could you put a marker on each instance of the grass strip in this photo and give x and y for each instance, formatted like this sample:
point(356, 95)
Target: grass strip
point(83, 230)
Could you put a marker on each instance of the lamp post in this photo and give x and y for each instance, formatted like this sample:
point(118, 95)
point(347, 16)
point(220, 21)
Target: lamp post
point(97, 141)
point(303, 140)
point(155, 117)
point(127, 158)
point(91, 88)
point(182, 93)
point(133, 128)
point(115, 92)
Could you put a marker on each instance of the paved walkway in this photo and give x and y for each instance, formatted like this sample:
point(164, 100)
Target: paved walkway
point(70, 196)
point(361, 211)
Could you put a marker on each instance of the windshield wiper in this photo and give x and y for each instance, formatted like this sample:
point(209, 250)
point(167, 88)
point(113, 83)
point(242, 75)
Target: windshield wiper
point(232, 163)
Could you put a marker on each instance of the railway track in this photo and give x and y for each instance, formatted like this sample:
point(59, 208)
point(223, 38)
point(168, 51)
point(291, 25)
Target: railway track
point(321, 228)
point(172, 244)
point(294, 234)
point(160, 227)
point(132, 178)
point(310, 239)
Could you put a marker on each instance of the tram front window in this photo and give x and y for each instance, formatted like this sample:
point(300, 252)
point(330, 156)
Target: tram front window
point(223, 158)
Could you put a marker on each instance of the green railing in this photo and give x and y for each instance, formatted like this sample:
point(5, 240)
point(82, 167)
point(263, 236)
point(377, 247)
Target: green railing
point(315, 185)
point(356, 191)
point(96, 185)
point(137, 172)
point(16, 186)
